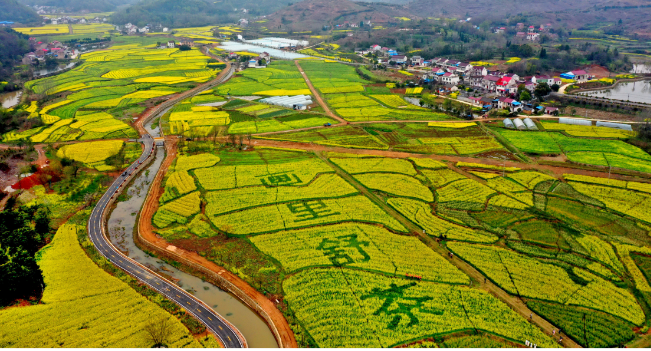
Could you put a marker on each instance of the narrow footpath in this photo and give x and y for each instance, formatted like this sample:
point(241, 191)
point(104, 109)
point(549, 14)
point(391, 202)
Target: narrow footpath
point(318, 97)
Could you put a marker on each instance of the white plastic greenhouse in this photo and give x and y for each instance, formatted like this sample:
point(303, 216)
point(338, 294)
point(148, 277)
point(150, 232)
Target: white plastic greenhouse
point(615, 125)
point(575, 121)
point(518, 124)
point(288, 101)
point(530, 124)
point(508, 124)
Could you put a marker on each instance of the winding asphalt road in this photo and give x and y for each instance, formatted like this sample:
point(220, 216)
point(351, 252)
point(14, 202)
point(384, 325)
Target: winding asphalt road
point(226, 332)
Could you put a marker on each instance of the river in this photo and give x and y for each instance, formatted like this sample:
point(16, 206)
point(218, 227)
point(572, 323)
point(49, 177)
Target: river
point(639, 91)
point(121, 226)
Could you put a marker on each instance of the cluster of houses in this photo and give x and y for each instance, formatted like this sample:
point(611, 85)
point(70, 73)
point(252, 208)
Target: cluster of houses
point(380, 51)
point(43, 50)
point(348, 24)
point(132, 29)
point(499, 89)
point(532, 33)
point(71, 20)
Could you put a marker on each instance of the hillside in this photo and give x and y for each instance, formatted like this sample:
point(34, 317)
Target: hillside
point(81, 5)
point(12, 45)
point(16, 12)
point(193, 12)
point(581, 14)
point(314, 14)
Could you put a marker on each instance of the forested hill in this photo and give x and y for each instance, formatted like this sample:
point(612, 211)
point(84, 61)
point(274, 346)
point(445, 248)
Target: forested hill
point(12, 45)
point(81, 5)
point(314, 14)
point(190, 13)
point(11, 10)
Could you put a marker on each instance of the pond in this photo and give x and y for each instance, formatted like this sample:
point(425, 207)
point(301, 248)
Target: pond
point(641, 68)
point(235, 46)
point(121, 225)
point(639, 91)
point(44, 71)
point(10, 99)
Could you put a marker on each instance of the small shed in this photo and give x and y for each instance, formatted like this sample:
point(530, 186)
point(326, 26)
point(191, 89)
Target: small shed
point(575, 121)
point(615, 125)
point(530, 124)
point(518, 124)
point(508, 123)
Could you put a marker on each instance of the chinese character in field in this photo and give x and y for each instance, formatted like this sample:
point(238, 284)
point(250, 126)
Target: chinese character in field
point(396, 303)
point(283, 178)
point(342, 250)
point(309, 210)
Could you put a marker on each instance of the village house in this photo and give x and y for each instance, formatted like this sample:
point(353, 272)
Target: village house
point(187, 42)
point(171, 44)
point(532, 36)
point(399, 59)
point(538, 79)
point(450, 78)
point(417, 61)
point(506, 85)
point(478, 71)
point(265, 55)
point(464, 68)
point(490, 82)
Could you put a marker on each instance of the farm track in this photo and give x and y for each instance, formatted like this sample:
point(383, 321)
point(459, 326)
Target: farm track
point(515, 303)
point(556, 170)
point(318, 97)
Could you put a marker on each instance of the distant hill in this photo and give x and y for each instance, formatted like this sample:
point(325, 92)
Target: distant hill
point(583, 14)
point(13, 11)
point(314, 14)
point(186, 13)
point(81, 5)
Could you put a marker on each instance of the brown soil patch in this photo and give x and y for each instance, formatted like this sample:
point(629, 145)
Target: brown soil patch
point(598, 71)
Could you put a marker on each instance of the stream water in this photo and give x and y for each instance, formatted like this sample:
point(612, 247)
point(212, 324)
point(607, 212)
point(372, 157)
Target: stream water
point(121, 226)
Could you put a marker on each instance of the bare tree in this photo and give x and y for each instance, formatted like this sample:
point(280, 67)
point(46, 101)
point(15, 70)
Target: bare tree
point(159, 331)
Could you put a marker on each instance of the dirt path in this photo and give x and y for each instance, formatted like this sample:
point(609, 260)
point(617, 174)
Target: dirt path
point(42, 160)
point(318, 97)
point(555, 170)
point(515, 303)
point(146, 233)
point(70, 29)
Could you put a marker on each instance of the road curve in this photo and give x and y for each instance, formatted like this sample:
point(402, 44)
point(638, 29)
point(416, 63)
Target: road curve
point(226, 332)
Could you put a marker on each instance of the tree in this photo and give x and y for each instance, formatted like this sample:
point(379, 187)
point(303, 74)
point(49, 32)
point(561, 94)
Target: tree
point(525, 95)
point(20, 276)
point(159, 331)
point(521, 88)
point(543, 53)
point(541, 90)
point(555, 87)
point(185, 48)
